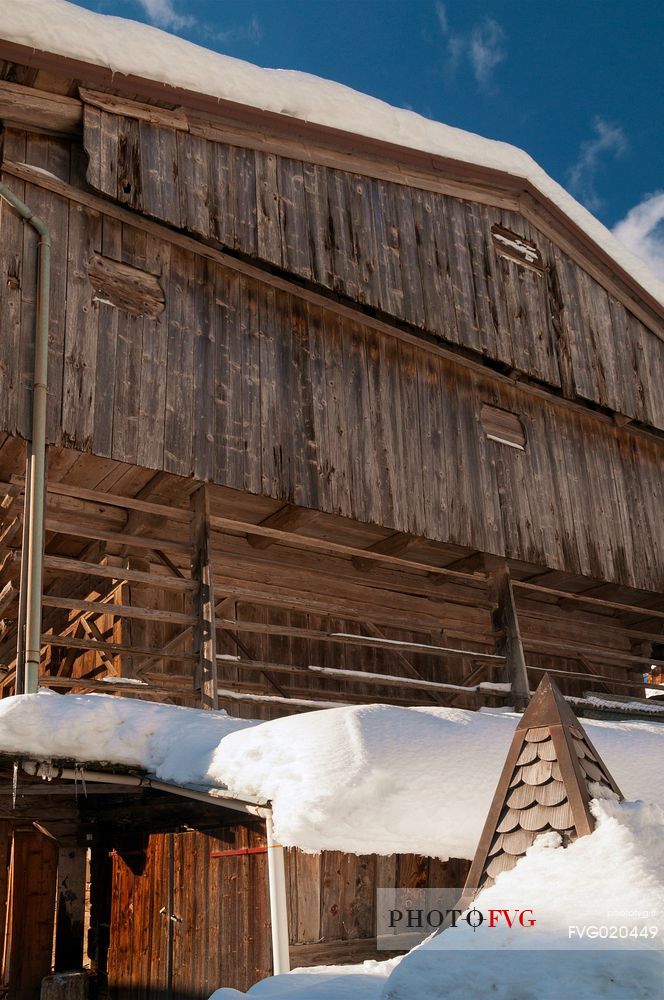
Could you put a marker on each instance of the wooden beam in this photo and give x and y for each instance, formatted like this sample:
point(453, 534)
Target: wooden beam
point(577, 675)
point(393, 545)
point(351, 639)
point(205, 633)
point(364, 677)
point(109, 499)
point(583, 599)
point(114, 648)
point(8, 595)
point(559, 647)
point(38, 109)
point(117, 610)
point(287, 518)
point(84, 530)
point(116, 684)
point(61, 564)
point(505, 619)
point(335, 548)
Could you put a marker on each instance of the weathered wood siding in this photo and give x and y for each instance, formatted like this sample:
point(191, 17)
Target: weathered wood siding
point(218, 897)
point(247, 386)
point(423, 257)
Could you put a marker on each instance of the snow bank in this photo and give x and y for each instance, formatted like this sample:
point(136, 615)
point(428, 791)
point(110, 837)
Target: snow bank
point(364, 779)
point(128, 47)
point(613, 877)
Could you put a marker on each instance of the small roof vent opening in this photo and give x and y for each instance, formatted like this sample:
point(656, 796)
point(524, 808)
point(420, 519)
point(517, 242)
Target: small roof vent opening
point(516, 248)
point(503, 426)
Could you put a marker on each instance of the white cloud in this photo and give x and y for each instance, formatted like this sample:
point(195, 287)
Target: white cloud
point(486, 48)
point(642, 231)
point(608, 140)
point(164, 15)
point(483, 47)
point(249, 32)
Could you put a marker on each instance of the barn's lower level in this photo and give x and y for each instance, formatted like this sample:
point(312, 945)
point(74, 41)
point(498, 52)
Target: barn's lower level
point(211, 596)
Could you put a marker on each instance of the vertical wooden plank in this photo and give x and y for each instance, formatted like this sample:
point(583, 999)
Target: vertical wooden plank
point(316, 205)
point(222, 222)
point(154, 360)
point(267, 208)
point(205, 633)
point(243, 186)
point(29, 946)
point(228, 380)
point(293, 218)
point(160, 174)
point(335, 407)
point(81, 329)
point(305, 452)
point(107, 347)
point(126, 403)
point(193, 172)
point(204, 371)
point(14, 278)
point(180, 306)
point(250, 343)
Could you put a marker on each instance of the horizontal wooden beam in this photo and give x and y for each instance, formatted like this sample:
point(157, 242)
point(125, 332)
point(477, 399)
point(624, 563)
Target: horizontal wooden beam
point(159, 581)
point(114, 648)
point(117, 610)
point(348, 639)
point(357, 676)
point(335, 548)
point(115, 500)
point(39, 109)
point(559, 648)
point(577, 675)
point(111, 686)
point(587, 599)
point(83, 530)
point(287, 518)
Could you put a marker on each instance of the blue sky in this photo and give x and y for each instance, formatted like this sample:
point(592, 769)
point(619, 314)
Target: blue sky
point(579, 84)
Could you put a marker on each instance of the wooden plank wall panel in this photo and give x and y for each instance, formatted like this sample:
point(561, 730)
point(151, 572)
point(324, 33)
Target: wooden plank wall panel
point(249, 387)
point(423, 257)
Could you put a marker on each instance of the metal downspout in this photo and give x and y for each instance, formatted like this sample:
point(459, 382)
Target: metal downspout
point(35, 486)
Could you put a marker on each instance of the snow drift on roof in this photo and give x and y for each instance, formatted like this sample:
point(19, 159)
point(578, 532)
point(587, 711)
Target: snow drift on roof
point(364, 779)
point(128, 47)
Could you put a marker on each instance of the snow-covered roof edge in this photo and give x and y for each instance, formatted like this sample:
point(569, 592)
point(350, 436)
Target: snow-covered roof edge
point(130, 48)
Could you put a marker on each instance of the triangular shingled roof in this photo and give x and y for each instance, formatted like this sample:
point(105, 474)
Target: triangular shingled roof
point(551, 773)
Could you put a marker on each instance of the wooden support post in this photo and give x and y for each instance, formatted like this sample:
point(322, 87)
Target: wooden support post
point(72, 873)
point(505, 620)
point(205, 631)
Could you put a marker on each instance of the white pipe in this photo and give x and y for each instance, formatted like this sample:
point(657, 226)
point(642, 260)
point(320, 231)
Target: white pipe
point(276, 873)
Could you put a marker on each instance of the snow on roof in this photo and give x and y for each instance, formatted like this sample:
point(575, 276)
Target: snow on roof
point(131, 48)
point(611, 879)
point(363, 779)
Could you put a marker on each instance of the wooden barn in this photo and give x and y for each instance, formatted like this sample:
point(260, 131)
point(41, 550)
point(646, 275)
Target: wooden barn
point(291, 417)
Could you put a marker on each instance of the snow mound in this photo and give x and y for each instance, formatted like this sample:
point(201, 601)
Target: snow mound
point(174, 744)
point(364, 779)
point(612, 877)
point(127, 47)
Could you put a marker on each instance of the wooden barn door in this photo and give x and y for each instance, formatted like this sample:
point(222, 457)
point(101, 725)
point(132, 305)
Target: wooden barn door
point(189, 913)
point(28, 951)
